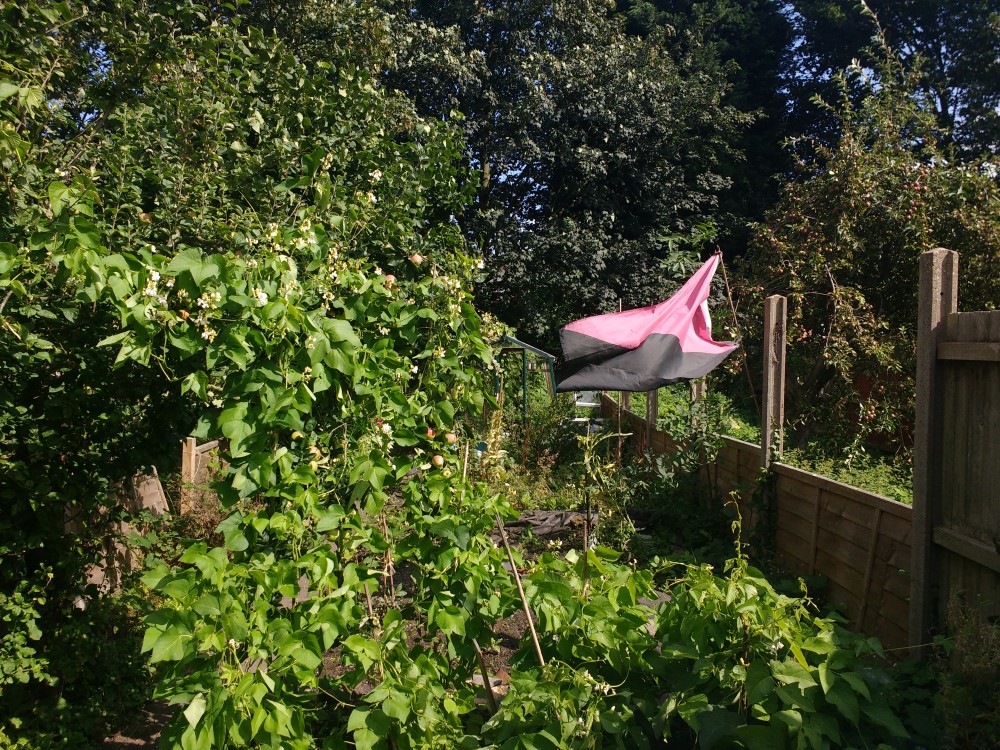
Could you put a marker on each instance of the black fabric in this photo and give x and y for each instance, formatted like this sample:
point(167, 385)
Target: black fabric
point(657, 362)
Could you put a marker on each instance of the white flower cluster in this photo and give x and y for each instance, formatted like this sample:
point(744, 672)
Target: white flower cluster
point(215, 395)
point(209, 300)
point(157, 293)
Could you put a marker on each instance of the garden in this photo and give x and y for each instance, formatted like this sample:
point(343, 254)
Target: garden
point(262, 226)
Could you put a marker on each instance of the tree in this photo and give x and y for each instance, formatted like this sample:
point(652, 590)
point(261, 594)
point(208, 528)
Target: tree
point(748, 44)
point(843, 244)
point(950, 45)
point(592, 146)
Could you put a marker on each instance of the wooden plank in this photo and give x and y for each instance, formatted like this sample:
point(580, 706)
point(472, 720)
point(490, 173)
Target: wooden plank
point(189, 472)
point(969, 351)
point(891, 552)
point(973, 326)
point(801, 527)
point(938, 298)
point(954, 441)
point(846, 553)
point(787, 553)
point(834, 530)
point(870, 499)
point(813, 544)
point(893, 582)
point(979, 552)
point(897, 529)
point(797, 493)
point(209, 446)
point(652, 413)
point(891, 633)
point(796, 506)
point(866, 585)
point(859, 512)
point(984, 478)
point(773, 418)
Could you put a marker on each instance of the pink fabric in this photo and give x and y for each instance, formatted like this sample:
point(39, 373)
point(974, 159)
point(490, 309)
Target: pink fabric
point(685, 315)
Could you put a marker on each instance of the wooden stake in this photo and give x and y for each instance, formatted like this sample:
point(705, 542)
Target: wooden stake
point(520, 591)
point(491, 699)
point(773, 418)
point(465, 468)
point(652, 414)
point(189, 473)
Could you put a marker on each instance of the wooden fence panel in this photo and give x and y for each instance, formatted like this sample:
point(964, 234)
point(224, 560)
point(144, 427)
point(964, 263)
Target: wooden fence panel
point(859, 541)
point(196, 472)
point(965, 505)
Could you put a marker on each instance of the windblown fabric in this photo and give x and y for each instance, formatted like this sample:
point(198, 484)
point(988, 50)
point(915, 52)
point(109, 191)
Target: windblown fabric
point(646, 348)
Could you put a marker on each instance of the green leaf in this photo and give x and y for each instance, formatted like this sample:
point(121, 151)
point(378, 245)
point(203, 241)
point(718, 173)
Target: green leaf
point(758, 737)
point(884, 717)
point(233, 531)
point(170, 646)
point(57, 197)
point(790, 718)
point(717, 725)
point(397, 706)
point(451, 620)
point(826, 677)
point(846, 701)
point(114, 338)
point(364, 649)
point(759, 683)
point(195, 709)
point(8, 89)
point(792, 673)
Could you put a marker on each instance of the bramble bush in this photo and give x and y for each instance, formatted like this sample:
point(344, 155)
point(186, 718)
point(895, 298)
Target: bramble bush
point(843, 245)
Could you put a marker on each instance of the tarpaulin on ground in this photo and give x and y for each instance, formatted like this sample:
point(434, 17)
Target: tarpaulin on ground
point(645, 348)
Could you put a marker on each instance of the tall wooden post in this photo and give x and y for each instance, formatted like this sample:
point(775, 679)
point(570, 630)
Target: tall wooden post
point(189, 472)
point(652, 414)
point(698, 388)
point(938, 298)
point(772, 432)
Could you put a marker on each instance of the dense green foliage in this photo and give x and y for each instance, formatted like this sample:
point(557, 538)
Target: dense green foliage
point(843, 245)
point(594, 147)
point(950, 45)
point(210, 235)
point(227, 221)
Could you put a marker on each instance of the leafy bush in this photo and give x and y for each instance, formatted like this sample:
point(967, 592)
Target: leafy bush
point(706, 660)
point(891, 476)
point(843, 245)
point(202, 233)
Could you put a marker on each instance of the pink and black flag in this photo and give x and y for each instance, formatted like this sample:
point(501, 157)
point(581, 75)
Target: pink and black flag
point(646, 348)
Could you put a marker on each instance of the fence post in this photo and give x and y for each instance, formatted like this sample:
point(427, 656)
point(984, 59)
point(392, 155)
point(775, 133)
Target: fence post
point(772, 432)
point(698, 390)
point(938, 298)
point(189, 472)
point(652, 413)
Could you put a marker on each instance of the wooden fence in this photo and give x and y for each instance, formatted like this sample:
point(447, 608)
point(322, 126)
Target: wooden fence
point(894, 570)
point(956, 488)
point(196, 464)
point(857, 540)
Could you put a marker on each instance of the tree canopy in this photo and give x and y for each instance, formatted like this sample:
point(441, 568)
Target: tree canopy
point(951, 46)
point(593, 146)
